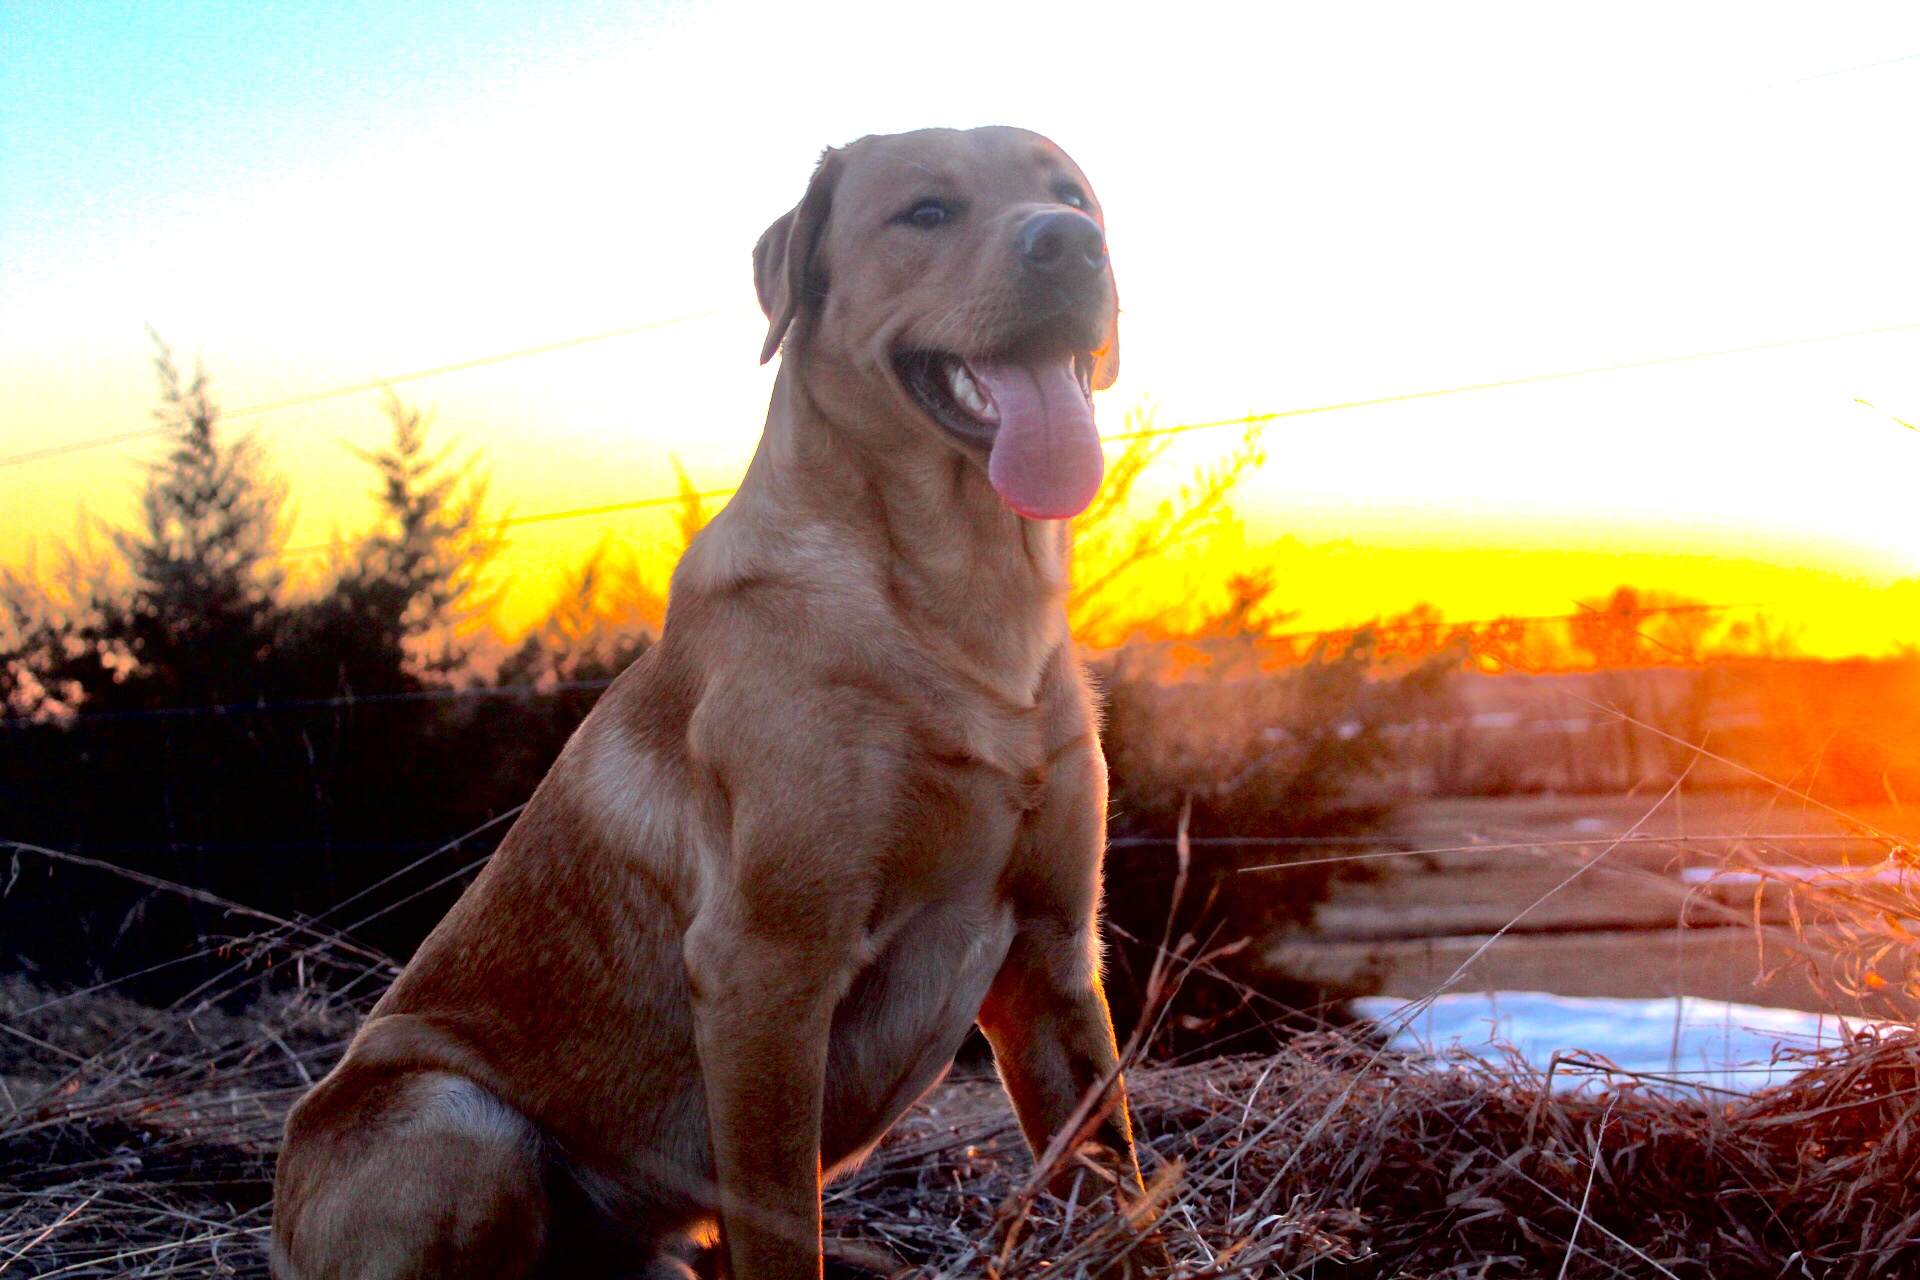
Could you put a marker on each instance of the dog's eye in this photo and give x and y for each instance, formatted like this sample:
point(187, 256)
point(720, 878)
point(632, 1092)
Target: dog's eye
point(1072, 196)
point(926, 214)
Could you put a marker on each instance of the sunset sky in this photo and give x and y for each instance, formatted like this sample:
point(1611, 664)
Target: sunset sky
point(1308, 206)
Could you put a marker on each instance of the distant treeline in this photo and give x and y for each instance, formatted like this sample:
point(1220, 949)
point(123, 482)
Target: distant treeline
point(176, 708)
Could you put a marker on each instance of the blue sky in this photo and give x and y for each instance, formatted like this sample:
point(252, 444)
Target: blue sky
point(118, 114)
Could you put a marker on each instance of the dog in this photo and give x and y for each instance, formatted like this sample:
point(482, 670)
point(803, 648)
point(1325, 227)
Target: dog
point(851, 803)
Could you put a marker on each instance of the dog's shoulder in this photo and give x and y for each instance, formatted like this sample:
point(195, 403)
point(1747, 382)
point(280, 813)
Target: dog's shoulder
point(771, 585)
point(769, 540)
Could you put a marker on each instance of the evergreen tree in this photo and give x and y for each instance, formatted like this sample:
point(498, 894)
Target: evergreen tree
point(391, 619)
point(191, 611)
point(199, 621)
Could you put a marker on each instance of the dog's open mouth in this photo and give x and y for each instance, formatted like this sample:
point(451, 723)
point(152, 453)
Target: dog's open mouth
point(1034, 415)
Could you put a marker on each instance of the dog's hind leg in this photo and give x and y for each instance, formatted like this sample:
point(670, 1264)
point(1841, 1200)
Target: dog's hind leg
point(407, 1176)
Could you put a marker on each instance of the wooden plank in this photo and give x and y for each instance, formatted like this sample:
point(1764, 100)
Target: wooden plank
point(1717, 964)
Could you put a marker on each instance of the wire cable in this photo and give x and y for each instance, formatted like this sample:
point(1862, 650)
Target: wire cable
point(1253, 418)
point(375, 384)
point(339, 702)
point(1843, 71)
point(314, 548)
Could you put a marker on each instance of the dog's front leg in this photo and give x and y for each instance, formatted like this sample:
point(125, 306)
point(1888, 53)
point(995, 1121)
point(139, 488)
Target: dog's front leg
point(1046, 1014)
point(1053, 1042)
point(1052, 1037)
point(763, 997)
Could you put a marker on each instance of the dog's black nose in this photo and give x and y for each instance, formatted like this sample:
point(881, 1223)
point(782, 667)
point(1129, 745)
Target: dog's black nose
point(1063, 244)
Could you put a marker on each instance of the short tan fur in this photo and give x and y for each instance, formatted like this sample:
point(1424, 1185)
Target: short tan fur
point(850, 803)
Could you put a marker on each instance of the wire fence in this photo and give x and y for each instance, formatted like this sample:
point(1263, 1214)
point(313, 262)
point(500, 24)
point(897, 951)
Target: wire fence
point(1444, 631)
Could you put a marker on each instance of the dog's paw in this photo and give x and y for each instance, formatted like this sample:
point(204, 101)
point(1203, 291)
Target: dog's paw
point(667, 1266)
point(859, 1260)
point(1146, 1259)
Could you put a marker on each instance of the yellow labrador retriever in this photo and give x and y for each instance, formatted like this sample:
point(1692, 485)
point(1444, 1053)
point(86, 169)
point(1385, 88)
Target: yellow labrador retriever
point(851, 803)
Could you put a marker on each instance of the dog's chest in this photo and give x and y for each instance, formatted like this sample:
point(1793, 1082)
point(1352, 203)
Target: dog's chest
point(999, 721)
point(989, 755)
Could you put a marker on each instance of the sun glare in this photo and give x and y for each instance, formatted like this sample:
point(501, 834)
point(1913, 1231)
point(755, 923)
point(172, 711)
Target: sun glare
point(1287, 232)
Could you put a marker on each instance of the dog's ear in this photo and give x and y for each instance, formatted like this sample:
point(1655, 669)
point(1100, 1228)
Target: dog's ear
point(786, 274)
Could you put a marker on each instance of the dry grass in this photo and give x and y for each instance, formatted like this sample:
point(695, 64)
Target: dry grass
point(139, 1142)
point(1331, 1158)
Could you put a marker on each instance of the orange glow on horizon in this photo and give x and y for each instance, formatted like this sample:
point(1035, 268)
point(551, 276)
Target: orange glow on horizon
point(1337, 565)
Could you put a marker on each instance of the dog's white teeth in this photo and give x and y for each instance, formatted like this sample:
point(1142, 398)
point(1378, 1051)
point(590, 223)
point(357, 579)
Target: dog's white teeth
point(968, 394)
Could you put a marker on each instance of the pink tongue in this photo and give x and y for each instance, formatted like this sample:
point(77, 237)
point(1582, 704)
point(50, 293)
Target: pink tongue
point(1046, 461)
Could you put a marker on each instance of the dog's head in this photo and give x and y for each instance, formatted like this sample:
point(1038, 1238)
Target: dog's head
point(967, 272)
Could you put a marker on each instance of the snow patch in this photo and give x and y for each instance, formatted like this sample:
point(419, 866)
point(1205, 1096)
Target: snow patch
point(1733, 1047)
